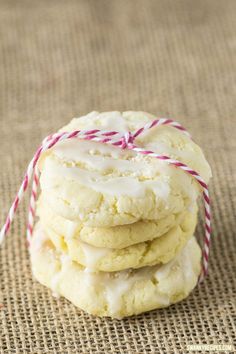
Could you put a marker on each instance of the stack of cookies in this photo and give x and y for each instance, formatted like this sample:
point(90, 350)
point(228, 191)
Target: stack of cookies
point(115, 229)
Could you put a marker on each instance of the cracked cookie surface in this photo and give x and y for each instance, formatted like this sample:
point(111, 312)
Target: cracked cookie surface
point(101, 185)
point(159, 250)
point(117, 237)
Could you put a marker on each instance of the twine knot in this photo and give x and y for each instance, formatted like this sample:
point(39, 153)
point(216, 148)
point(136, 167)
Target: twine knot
point(127, 140)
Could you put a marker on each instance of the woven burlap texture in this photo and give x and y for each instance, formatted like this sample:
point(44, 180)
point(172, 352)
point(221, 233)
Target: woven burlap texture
point(60, 59)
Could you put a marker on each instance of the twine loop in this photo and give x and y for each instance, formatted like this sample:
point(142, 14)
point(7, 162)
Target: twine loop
point(122, 141)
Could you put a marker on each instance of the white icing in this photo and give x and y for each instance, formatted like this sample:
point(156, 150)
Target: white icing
point(55, 281)
point(39, 239)
point(160, 188)
point(182, 260)
point(93, 255)
point(92, 279)
point(186, 184)
point(115, 289)
point(70, 228)
point(85, 150)
point(186, 258)
point(104, 158)
point(164, 271)
point(117, 186)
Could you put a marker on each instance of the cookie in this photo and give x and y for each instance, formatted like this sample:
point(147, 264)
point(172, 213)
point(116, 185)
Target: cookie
point(117, 294)
point(159, 250)
point(102, 186)
point(117, 237)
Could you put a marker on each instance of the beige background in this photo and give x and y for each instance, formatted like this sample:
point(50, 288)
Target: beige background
point(60, 59)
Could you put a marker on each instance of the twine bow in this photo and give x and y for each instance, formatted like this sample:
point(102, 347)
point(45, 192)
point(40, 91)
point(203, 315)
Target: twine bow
point(122, 141)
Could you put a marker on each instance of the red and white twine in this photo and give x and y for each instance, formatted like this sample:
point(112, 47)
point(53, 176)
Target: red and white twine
point(123, 141)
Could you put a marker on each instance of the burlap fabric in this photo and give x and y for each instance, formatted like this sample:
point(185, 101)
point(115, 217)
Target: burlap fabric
point(60, 59)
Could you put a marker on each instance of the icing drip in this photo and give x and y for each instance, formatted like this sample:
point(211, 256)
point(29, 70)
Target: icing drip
point(65, 263)
point(164, 271)
point(91, 279)
point(182, 261)
point(70, 228)
point(186, 257)
point(93, 255)
point(36, 246)
point(115, 289)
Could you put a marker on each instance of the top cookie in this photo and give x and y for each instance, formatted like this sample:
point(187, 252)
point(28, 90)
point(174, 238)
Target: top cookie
point(101, 185)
